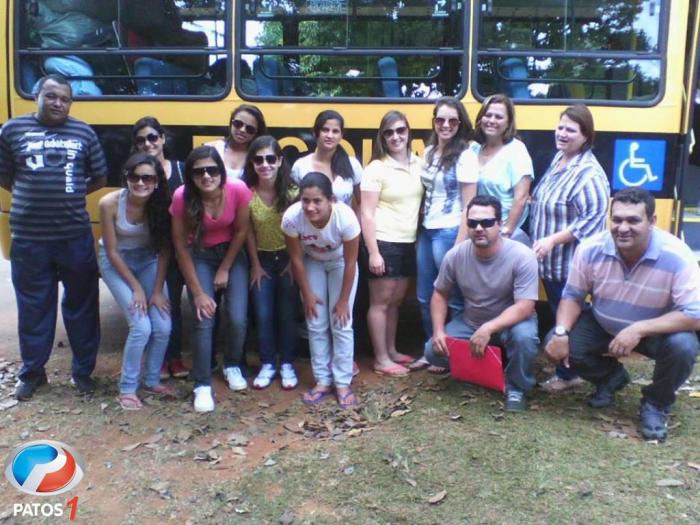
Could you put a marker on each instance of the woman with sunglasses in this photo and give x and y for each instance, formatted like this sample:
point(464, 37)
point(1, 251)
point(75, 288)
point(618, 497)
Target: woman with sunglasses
point(505, 166)
point(133, 256)
point(449, 175)
point(148, 137)
point(246, 123)
point(210, 215)
point(391, 197)
point(274, 294)
point(569, 204)
point(323, 238)
point(329, 158)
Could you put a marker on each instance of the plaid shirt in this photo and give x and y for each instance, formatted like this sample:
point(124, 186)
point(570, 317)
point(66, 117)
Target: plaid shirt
point(574, 198)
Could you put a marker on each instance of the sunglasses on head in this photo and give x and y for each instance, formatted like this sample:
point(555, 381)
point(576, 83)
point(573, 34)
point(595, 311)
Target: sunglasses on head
point(484, 223)
point(388, 133)
point(151, 137)
point(212, 171)
point(259, 159)
point(452, 122)
point(239, 124)
point(135, 178)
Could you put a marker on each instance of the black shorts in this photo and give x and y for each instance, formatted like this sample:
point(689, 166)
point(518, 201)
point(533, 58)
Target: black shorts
point(399, 260)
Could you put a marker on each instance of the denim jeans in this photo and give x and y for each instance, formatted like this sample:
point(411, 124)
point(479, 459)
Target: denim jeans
point(431, 248)
point(206, 263)
point(520, 342)
point(148, 333)
point(331, 345)
point(674, 354)
point(275, 307)
point(175, 282)
point(37, 266)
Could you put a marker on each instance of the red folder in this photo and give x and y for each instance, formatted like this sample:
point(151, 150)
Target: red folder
point(486, 371)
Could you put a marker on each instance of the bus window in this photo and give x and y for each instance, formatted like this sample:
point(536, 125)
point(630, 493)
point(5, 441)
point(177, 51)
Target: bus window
point(351, 48)
point(125, 47)
point(595, 50)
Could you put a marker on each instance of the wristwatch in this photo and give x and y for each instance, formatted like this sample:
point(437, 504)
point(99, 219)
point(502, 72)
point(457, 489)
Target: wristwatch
point(560, 331)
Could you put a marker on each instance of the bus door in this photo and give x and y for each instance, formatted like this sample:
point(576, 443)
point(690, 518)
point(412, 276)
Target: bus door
point(688, 187)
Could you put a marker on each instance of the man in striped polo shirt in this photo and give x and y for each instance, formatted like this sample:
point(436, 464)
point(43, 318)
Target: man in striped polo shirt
point(50, 162)
point(645, 288)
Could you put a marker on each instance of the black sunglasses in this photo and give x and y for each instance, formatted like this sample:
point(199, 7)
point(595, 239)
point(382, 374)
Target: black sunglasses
point(388, 133)
point(151, 137)
point(212, 171)
point(484, 223)
point(259, 159)
point(135, 178)
point(239, 124)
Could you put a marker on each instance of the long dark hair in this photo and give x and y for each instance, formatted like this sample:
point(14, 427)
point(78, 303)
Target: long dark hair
point(283, 182)
point(147, 122)
point(315, 179)
point(380, 148)
point(193, 198)
point(157, 215)
point(257, 115)
point(340, 162)
point(457, 144)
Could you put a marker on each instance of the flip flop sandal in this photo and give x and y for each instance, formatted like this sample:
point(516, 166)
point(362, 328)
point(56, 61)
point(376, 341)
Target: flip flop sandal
point(312, 397)
point(344, 402)
point(437, 370)
point(130, 402)
point(418, 364)
point(404, 360)
point(392, 371)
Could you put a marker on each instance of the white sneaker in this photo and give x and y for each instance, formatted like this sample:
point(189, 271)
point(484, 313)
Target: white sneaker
point(265, 376)
point(556, 384)
point(203, 400)
point(289, 377)
point(235, 378)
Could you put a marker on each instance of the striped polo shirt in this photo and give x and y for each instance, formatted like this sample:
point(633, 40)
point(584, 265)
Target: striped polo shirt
point(49, 168)
point(665, 279)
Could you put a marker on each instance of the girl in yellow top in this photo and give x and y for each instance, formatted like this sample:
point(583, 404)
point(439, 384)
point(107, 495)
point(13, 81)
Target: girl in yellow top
point(274, 293)
point(391, 197)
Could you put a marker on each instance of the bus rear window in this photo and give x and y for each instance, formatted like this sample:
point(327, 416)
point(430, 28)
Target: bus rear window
point(125, 47)
point(594, 50)
point(351, 48)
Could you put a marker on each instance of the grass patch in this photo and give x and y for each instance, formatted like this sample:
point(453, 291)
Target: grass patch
point(558, 463)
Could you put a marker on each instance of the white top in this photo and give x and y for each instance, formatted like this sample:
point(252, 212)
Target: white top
point(220, 147)
point(342, 187)
point(129, 236)
point(443, 204)
point(499, 176)
point(325, 244)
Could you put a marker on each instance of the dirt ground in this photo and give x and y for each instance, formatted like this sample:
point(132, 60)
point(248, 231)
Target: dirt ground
point(152, 465)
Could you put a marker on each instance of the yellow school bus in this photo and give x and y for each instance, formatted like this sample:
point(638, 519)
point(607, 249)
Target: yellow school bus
point(189, 62)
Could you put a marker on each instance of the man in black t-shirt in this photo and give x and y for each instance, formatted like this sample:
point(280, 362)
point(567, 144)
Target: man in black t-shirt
point(50, 162)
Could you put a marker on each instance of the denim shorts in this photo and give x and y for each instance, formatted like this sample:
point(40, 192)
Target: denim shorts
point(399, 260)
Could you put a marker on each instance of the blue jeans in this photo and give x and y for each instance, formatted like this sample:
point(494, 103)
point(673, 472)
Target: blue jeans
point(431, 248)
point(148, 334)
point(37, 266)
point(554, 290)
point(332, 346)
point(674, 354)
point(206, 263)
point(175, 282)
point(520, 342)
point(275, 307)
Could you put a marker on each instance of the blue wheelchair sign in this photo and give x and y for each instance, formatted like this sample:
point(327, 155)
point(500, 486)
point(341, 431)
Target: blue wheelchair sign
point(639, 164)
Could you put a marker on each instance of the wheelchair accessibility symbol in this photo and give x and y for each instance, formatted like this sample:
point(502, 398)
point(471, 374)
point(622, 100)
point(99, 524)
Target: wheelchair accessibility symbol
point(639, 164)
